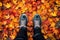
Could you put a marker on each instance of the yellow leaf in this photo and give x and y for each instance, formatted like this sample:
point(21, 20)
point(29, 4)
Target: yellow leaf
point(15, 20)
point(12, 36)
point(20, 4)
point(0, 4)
point(14, 1)
point(52, 24)
point(45, 36)
point(53, 14)
point(7, 5)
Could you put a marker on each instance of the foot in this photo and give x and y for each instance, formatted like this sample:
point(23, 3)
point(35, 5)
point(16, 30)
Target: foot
point(37, 21)
point(22, 35)
point(23, 20)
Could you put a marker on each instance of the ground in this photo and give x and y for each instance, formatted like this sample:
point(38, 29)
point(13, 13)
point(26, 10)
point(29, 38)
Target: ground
point(11, 10)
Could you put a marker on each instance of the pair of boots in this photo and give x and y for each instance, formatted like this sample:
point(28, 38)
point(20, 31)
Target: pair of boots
point(22, 35)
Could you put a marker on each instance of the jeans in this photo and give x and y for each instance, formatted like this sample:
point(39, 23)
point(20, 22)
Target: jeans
point(22, 34)
point(37, 34)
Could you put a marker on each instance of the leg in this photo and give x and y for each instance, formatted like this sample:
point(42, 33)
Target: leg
point(37, 34)
point(22, 34)
point(37, 29)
